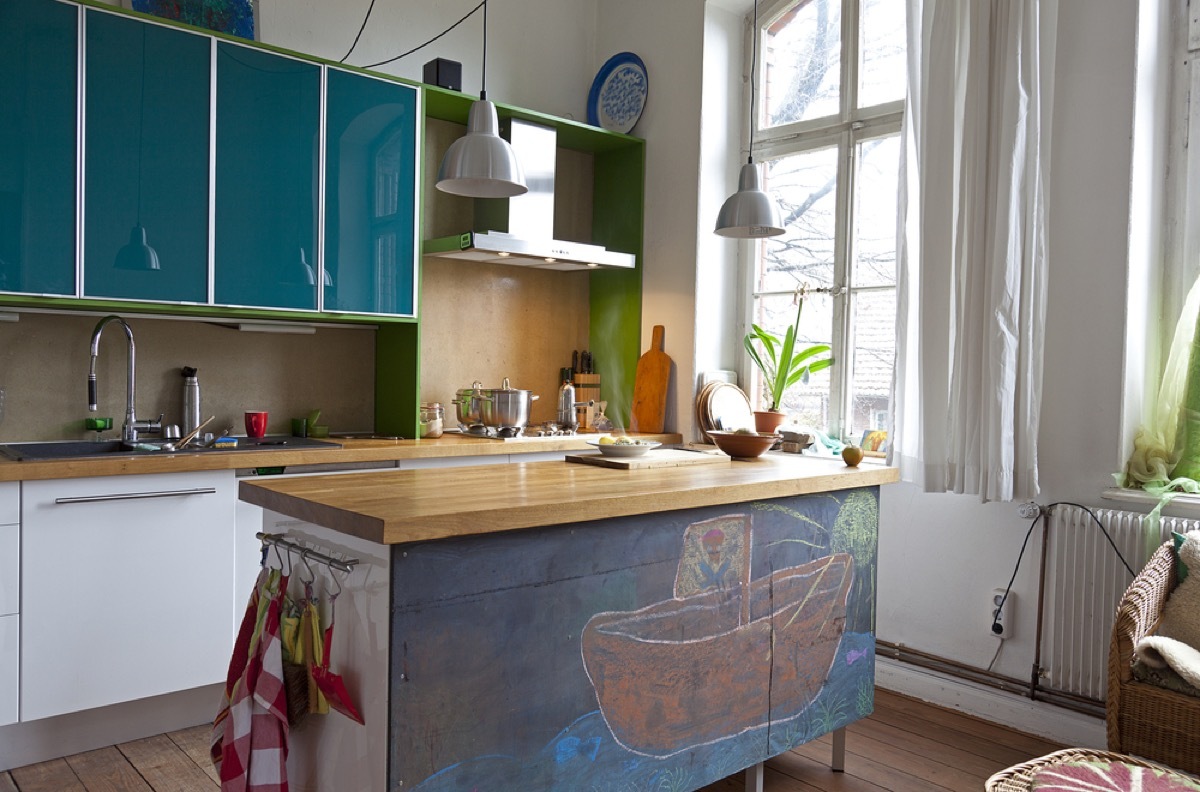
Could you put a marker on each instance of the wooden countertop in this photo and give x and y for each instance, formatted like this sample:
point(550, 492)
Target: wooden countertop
point(352, 451)
point(398, 506)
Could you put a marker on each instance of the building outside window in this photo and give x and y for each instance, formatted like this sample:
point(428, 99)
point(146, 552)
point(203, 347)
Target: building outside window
point(827, 128)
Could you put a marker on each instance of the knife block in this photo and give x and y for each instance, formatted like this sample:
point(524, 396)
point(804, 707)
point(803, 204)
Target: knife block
point(587, 388)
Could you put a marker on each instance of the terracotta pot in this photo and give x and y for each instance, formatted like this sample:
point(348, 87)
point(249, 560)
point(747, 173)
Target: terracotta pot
point(768, 421)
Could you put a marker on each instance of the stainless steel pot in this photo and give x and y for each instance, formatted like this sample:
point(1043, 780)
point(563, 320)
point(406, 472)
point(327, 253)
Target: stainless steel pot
point(466, 405)
point(505, 407)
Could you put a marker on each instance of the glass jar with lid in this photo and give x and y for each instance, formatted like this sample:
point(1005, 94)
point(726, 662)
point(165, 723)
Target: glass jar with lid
point(432, 417)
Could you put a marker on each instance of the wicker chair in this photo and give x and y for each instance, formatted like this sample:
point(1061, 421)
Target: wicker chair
point(1146, 719)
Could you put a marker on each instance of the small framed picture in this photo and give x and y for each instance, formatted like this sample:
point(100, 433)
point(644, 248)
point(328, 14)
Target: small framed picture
point(874, 440)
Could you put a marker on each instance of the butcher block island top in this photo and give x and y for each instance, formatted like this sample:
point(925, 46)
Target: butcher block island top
point(399, 506)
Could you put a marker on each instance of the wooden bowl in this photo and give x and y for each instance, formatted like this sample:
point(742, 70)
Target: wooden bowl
point(741, 445)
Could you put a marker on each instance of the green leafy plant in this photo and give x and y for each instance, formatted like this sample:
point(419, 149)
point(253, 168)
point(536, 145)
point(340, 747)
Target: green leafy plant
point(781, 363)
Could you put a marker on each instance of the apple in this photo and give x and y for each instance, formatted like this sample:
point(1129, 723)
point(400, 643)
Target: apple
point(852, 455)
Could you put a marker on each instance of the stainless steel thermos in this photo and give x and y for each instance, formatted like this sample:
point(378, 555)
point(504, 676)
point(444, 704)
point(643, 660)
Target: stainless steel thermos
point(566, 407)
point(191, 399)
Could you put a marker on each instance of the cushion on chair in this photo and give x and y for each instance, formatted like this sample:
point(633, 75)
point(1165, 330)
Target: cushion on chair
point(1110, 776)
point(1163, 678)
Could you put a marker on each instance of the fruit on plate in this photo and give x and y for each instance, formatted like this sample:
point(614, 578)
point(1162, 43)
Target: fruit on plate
point(852, 455)
point(607, 440)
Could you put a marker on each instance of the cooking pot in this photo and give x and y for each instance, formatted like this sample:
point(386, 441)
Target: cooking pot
point(466, 405)
point(505, 407)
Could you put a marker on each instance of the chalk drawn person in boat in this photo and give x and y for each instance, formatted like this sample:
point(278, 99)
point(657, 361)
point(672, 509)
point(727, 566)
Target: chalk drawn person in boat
point(714, 556)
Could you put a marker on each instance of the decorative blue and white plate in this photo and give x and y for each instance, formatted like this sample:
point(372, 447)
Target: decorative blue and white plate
point(618, 93)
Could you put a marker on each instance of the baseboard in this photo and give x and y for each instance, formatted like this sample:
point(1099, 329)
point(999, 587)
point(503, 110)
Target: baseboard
point(50, 738)
point(1007, 709)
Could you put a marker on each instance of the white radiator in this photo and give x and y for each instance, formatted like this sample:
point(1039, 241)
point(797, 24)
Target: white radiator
point(1084, 582)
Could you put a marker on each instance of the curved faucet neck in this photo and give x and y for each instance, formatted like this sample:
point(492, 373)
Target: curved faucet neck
point(129, 430)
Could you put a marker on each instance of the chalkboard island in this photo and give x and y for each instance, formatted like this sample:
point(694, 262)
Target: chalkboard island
point(559, 626)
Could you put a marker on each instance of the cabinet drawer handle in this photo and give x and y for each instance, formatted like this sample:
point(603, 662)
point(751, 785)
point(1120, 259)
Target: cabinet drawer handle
point(137, 495)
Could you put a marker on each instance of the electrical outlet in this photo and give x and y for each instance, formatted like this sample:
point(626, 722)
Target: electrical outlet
point(1000, 621)
point(1028, 511)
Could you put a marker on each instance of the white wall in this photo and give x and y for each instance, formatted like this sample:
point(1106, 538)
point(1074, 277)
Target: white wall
point(668, 36)
point(941, 554)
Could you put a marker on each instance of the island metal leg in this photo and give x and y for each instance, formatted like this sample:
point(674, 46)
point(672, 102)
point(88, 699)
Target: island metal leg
point(838, 765)
point(754, 778)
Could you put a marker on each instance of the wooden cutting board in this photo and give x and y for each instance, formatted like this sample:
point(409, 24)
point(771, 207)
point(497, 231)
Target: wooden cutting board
point(650, 387)
point(658, 458)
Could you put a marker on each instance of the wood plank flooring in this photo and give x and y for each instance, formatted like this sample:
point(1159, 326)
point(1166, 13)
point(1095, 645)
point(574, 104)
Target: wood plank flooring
point(905, 746)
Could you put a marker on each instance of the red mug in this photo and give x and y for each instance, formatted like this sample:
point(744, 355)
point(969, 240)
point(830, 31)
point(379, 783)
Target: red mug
point(256, 423)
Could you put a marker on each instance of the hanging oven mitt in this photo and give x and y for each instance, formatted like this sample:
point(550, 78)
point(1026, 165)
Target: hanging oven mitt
point(331, 684)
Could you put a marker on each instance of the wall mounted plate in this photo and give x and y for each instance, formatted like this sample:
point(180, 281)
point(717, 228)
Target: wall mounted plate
point(618, 93)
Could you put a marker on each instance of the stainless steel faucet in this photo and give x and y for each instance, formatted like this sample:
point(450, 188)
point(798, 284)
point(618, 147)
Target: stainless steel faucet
point(131, 427)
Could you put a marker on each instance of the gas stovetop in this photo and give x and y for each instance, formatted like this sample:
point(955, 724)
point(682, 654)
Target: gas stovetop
point(546, 431)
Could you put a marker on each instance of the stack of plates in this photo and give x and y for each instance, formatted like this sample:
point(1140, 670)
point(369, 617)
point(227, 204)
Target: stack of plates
point(722, 406)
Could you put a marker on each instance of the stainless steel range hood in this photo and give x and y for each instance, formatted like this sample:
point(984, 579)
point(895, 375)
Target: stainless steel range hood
point(520, 231)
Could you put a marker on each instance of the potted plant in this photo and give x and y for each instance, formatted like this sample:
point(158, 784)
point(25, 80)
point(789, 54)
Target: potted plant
point(782, 366)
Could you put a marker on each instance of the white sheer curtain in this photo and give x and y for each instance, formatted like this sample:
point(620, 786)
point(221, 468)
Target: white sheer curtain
point(971, 295)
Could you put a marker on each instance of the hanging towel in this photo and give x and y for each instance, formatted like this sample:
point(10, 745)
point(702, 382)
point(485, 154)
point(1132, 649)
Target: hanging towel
point(250, 732)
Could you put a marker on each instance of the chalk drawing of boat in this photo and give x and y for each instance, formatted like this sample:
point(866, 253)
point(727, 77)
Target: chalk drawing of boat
point(704, 666)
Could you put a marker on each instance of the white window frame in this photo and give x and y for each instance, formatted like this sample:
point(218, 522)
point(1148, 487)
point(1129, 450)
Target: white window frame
point(850, 127)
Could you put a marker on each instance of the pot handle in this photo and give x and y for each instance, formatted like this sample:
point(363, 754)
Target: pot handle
point(533, 397)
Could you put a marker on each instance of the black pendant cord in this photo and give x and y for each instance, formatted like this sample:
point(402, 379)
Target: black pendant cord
point(465, 17)
point(361, 28)
point(753, 80)
point(483, 78)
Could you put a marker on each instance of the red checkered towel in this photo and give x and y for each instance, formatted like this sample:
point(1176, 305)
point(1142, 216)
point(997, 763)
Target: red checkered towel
point(250, 732)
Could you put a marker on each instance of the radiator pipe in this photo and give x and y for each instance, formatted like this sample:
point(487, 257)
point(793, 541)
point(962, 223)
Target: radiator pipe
point(958, 670)
point(1035, 673)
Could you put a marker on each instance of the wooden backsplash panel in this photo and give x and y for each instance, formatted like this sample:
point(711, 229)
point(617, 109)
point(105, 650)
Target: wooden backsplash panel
point(489, 321)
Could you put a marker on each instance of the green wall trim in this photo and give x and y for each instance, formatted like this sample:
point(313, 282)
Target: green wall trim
point(397, 374)
point(453, 106)
point(66, 304)
point(616, 295)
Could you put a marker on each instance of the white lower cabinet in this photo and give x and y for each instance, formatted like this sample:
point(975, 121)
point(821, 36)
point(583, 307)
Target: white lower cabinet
point(10, 600)
point(10, 637)
point(127, 588)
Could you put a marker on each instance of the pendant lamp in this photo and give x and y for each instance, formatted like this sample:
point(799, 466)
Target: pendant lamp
point(137, 253)
point(750, 213)
point(481, 164)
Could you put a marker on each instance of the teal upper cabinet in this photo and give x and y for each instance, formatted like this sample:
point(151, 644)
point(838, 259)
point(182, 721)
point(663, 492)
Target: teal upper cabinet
point(371, 247)
point(268, 153)
point(38, 66)
point(146, 145)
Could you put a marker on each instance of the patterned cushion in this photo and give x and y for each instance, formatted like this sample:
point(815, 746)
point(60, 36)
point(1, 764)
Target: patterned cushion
point(1164, 678)
point(1110, 777)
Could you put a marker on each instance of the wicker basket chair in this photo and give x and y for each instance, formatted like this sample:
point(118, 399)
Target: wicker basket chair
point(1146, 719)
point(1019, 778)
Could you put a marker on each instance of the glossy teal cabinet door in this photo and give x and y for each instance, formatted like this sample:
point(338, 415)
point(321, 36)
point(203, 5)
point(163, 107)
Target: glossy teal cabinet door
point(38, 142)
point(268, 123)
point(370, 195)
point(146, 143)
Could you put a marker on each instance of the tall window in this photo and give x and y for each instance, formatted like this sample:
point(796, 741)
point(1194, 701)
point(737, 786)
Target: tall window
point(827, 126)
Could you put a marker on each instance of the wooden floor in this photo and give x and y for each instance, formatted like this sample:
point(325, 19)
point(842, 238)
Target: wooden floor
point(906, 746)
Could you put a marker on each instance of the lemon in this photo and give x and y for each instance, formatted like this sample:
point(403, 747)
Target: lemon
point(607, 440)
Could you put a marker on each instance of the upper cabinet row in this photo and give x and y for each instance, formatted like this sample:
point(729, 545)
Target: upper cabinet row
point(258, 180)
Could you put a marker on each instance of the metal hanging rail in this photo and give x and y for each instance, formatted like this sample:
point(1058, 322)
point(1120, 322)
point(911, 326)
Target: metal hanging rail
point(341, 564)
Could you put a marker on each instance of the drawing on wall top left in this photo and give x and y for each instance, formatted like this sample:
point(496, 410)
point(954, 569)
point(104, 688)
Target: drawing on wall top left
point(235, 17)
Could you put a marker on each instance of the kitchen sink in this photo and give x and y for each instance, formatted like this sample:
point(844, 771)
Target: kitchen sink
point(78, 449)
